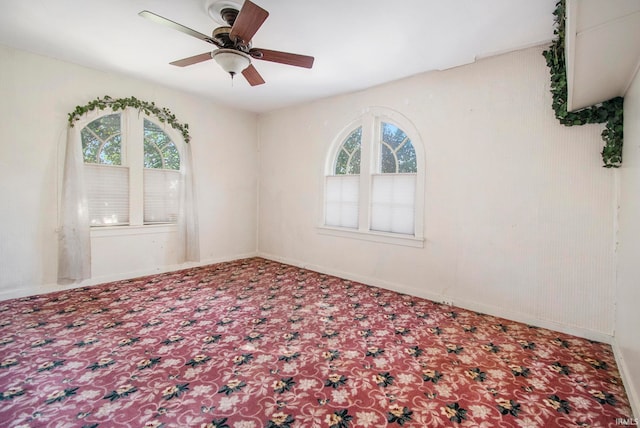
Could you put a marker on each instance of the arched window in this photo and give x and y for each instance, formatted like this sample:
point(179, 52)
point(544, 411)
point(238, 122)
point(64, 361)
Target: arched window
point(132, 172)
point(374, 179)
point(341, 194)
point(393, 186)
point(161, 176)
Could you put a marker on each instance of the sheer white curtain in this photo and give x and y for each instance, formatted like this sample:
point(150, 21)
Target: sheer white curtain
point(74, 242)
point(188, 238)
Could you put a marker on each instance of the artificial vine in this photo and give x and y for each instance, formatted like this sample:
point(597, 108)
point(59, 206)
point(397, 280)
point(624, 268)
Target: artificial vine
point(609, 111)
point(164, 115)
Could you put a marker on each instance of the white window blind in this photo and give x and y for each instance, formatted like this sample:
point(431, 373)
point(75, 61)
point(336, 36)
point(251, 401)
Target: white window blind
point(107, 194)
point(393, 203)
point(341, 208)
point(161, 192)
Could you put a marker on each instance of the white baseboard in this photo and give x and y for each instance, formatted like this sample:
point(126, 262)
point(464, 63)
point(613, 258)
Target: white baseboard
point(50, 288)
point(464, 304)
point(632, 394)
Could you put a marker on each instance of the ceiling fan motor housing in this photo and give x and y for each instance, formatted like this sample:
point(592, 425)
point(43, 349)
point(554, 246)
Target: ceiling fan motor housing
point(229, 15)
point(221, 37)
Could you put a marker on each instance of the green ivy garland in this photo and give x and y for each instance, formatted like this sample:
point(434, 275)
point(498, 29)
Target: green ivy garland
point(115, 104)
point(609, 111)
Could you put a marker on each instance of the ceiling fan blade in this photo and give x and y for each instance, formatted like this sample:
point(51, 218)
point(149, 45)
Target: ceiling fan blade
point(253, 77)
point(192, 60)
point(171, 24)
point(282, 57)
point(248, 21)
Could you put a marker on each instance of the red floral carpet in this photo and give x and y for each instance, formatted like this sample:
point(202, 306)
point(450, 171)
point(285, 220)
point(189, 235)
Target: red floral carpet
point(255, 343)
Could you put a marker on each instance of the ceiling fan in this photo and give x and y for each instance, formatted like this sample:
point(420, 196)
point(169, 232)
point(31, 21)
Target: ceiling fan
point(235, 52)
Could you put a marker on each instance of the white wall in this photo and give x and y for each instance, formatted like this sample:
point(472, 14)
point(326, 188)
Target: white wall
point(36, 93)
point(627, 323)
point(519, 212)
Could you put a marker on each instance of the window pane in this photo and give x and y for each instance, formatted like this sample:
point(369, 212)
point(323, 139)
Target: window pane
point(392, 135)
point(110, 153)
point(159, 150)
point(353, 141)
point(90, 146)
point(171, 157)
point(106, 126)
point(101, 141)
point(152, 156)
point(348, 158)
point(397, 154)
point(342, 163)
point(407, 158)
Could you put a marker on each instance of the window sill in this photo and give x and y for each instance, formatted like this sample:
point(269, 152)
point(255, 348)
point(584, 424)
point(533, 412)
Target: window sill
point(372, 236)
point(110, 231)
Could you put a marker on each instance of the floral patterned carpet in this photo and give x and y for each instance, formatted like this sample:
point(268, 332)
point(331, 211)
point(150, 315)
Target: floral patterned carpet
point(255, 343)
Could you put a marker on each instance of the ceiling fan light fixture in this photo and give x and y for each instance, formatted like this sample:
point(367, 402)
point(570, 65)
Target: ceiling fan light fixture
point(231, 60)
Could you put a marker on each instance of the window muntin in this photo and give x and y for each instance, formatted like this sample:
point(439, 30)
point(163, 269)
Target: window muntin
point(142, 188)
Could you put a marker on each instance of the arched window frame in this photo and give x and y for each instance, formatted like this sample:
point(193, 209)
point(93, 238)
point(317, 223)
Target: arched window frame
point(132, 153)
point(370, 121)
point(75, 236)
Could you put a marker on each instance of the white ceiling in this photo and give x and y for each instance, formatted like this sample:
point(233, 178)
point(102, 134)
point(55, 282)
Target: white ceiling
point(356, 43)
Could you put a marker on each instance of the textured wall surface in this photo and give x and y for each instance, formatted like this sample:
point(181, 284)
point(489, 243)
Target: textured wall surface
point(36, 93)
point(518, 215)
point(628, 289)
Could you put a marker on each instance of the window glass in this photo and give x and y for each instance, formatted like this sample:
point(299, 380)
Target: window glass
point(102, 141)
point(397, 154)
point(348, 158)
point(159, 151)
